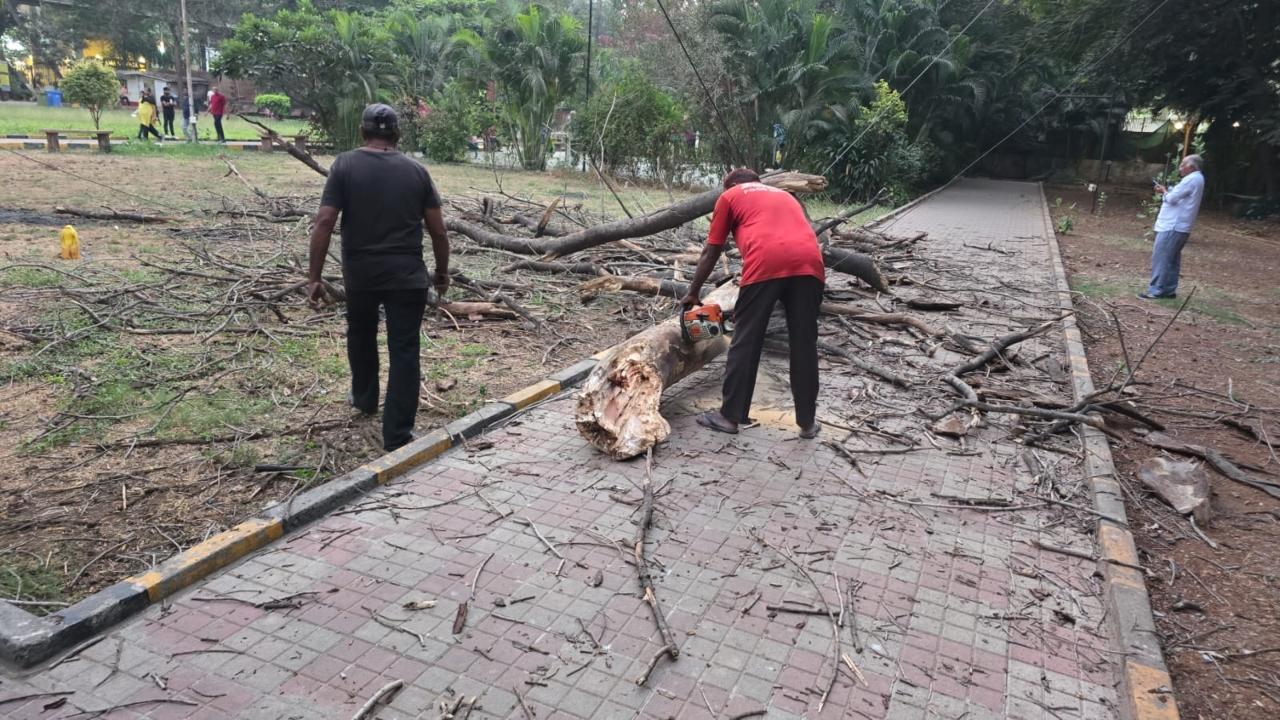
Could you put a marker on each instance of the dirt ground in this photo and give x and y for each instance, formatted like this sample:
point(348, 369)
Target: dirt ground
point(174, 381)
point(1217, 606)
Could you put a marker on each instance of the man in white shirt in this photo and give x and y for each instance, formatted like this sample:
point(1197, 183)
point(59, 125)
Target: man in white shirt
point(1173, 226)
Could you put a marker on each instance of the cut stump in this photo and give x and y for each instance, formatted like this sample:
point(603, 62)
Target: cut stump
point(618, 406)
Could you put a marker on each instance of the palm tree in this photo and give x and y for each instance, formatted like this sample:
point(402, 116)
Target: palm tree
point(533, 57)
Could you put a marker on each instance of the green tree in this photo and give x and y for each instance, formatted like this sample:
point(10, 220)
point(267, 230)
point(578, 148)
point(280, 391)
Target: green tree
point(93, 85)
point(334, 63)
point(629, 124)
point(534, 58)
point(867, 148)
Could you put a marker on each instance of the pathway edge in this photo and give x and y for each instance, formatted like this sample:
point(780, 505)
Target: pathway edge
point(27, 639)
point(1145, 687)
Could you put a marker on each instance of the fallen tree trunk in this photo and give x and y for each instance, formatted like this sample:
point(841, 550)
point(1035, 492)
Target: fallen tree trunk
point(109, 214)
point(617, 408)
point(667, 218)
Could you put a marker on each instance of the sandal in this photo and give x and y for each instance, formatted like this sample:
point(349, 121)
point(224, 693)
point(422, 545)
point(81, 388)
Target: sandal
point(715, 421)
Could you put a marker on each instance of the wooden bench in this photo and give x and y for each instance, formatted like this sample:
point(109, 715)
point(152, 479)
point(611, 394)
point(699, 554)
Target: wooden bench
point(103, 136)
point(264, 141)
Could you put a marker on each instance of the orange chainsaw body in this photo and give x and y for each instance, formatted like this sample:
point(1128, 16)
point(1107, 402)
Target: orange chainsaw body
point(704, 322)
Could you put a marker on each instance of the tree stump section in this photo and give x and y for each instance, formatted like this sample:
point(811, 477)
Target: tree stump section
point(618, 406)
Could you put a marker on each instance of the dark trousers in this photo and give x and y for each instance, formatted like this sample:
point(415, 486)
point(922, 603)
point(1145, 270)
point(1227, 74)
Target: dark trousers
point(168, 123)
point(801, 297)
point(146, 131)
point(217, 125)
point(404, 310)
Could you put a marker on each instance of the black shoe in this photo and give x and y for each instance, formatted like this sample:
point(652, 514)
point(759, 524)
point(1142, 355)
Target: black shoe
point(392, 448)
point(351, 400)
point(810, 432)
point(1148, 296)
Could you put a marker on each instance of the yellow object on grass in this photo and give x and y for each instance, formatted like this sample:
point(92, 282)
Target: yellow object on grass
point(70, 243)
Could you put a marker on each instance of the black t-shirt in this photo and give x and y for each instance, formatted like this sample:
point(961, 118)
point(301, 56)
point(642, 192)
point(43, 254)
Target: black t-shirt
point(382, 197)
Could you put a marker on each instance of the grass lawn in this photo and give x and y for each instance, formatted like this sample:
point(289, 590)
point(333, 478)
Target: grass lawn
point(23, 118)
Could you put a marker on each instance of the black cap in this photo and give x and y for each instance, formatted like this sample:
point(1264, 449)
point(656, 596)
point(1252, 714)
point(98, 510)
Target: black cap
point(379, 118)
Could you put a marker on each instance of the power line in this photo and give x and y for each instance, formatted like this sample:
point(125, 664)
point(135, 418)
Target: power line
point(844, 150)
point(51, 166)
point(723, 125)
point(1075, 78)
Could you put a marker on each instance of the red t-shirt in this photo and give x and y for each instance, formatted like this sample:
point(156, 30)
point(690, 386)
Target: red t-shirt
point(771, 231)
point(217, 104)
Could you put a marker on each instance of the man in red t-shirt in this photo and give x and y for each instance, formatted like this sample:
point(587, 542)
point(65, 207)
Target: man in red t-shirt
point(781, 261)
point(218, 108)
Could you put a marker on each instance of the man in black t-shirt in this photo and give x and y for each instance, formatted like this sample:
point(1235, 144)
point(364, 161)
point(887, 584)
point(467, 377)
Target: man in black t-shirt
point(385, 198)
point(168, 106)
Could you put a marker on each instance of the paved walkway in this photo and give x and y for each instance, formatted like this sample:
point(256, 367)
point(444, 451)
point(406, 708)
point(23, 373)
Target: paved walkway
point(957, 613)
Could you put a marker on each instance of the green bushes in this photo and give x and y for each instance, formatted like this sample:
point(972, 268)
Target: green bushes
point(276, 104)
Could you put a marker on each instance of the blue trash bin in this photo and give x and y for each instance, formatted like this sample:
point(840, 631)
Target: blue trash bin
point(53, 98)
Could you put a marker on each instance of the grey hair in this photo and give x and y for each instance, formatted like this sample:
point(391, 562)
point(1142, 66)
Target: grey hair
point(1196, 161)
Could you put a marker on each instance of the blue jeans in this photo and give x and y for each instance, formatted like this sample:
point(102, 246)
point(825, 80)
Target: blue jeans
point(1166, 263)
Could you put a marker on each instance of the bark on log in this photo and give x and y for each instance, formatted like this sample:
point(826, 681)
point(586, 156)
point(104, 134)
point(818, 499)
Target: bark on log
point(618, 406)
point(667, 218)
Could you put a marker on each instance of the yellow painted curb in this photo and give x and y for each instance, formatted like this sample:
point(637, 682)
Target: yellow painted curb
point(1150, 692)
point(1117, 545)
point(521, 399)
point(201, 560)
point(395, 464)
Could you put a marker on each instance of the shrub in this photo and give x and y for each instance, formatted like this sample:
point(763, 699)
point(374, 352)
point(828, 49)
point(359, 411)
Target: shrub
point(93, 85)
point(441, 127)
point(275, 104)
point(631, 125)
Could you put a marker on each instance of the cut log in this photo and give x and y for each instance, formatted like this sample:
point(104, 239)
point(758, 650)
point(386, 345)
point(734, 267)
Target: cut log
point(857, 264)
point(618, 406)
point(478, 310)
point(667, 218)
point(645, 285)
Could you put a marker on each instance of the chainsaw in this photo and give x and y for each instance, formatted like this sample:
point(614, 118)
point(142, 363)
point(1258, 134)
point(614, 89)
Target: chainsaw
point(705, 322)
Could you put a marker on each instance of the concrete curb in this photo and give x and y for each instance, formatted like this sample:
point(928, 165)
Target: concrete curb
point(26, 639)
point(1146, 690)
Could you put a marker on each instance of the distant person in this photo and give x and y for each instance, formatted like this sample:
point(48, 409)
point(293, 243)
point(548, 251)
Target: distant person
point(147, 118)
point(168, 106)
point(1178, 211)
point(183, 102)
point(385, 198)
point(781, 262)
point(124, 96)
point(218, 107)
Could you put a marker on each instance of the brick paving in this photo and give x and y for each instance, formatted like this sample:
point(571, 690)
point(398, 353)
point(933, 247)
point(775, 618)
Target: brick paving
point(958, 613)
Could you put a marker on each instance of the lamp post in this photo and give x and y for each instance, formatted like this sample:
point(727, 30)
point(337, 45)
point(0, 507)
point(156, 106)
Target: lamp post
point(194, 135)
point(591, 7)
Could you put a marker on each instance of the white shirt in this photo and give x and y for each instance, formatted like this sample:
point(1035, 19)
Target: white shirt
point(1181, 204)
